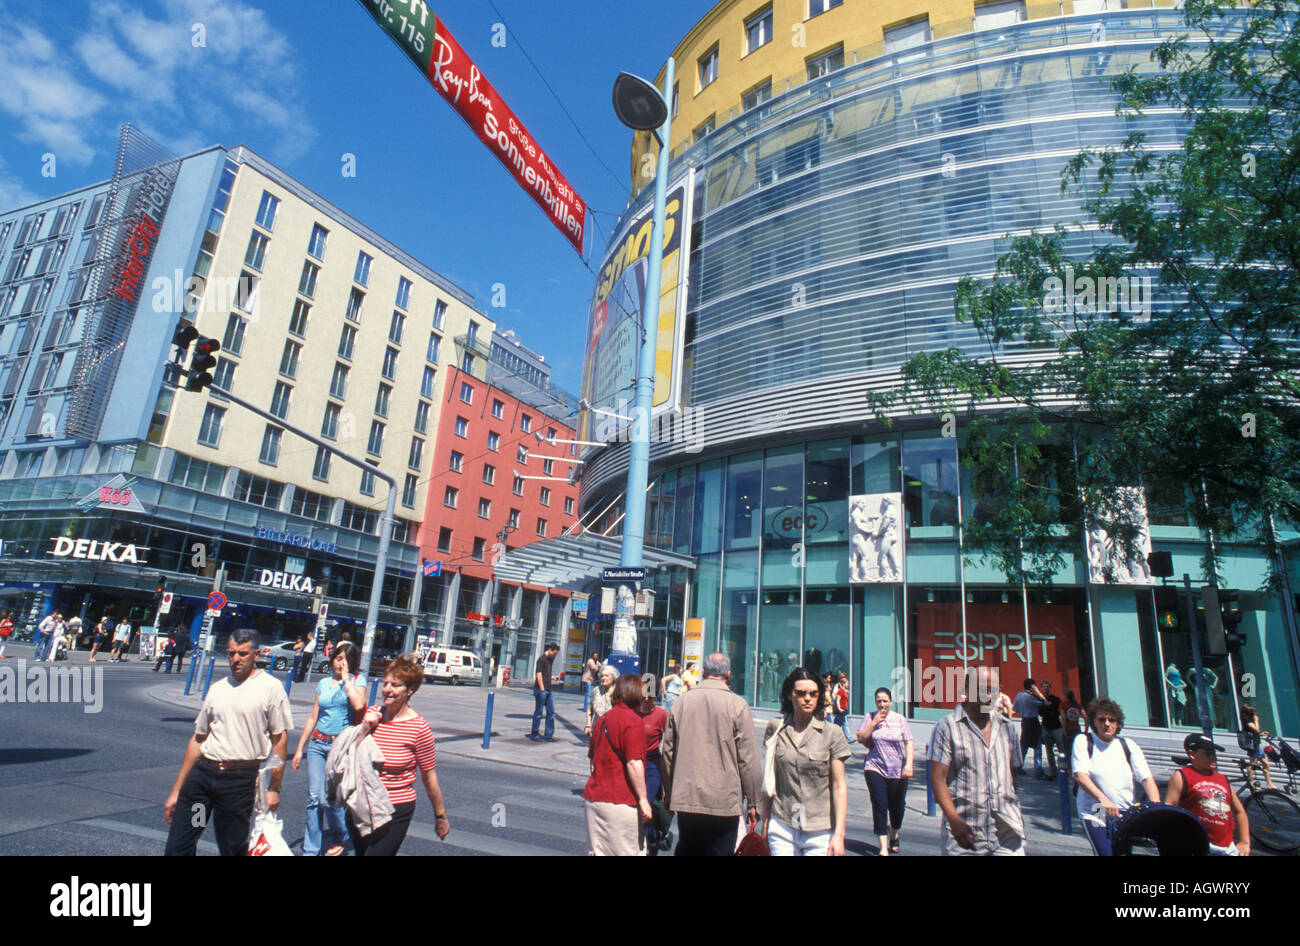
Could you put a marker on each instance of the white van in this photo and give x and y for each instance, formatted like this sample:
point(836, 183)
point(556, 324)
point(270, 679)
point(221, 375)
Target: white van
point(454, 666)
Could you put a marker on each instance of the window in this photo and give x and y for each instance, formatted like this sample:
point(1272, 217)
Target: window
point(197, 474)
point(416, 457)
point(375, 444)
point(706, 129)
point(246, 291)
point(382, 399)
point(517, 487)
point(426, 383)
point(548, 467)
point(480, 547)
point(421, 425)
point(224, 376)
point(472, 335)
point(818, 7)
point(525, 423)
point(310, 505)
point(457, 459)
point(545, 499)
point(432, 353)
point(355, 298)
point(825, 63)
point(444, 539)
point(320, 469)
point(298, 321)
point(266, 211)
point(440, 315)
point(97, 206)
point(998, 14)
point(756, 96)
point(498, 409)
point(329, 425)
point(449, 497)
point(210, 429)
point(568, 505)
point(403, 293)
point(467, 363)
point(907, 35)
point(289, 359)
point(521, 454)
point(390, 364)
point(307, 281)
point(367, 487)
point(408, 490)
point(255, 255)
point(513, 519)
point(316, 245)
point(489, 474)
point(758, 33)
point(541, 527)
point(396, 327)
point(484, 508)
point(494, 442)
point(257, 490)
point(280, 400)
point(462, 428)
point(271, 445)
point(361, 274)
point(467, 392)
point(347, 339)
point(708, 68)
point(339, 382)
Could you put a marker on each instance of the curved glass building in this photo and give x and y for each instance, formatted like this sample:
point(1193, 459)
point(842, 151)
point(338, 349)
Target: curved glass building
point(838, 190)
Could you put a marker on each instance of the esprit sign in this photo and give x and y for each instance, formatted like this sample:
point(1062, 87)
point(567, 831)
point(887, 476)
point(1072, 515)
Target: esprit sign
point(118, 552)
point(425, 40)
point(269, 579)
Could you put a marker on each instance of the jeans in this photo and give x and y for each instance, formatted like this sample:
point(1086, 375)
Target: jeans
point(842, 720)
point(224, 798)
point(1053, 742)
point(335, 827)
point(586, 696)
point(786, 841)
point(42, 646)
point(1031, 738)
point(544, 699)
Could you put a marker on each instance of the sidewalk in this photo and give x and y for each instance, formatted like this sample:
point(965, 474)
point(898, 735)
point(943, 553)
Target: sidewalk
point(456, 714)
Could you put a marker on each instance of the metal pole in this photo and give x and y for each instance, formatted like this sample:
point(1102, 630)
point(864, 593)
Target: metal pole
point(1202, 699)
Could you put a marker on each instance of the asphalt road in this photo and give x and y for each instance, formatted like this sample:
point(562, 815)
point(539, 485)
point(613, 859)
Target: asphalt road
point(79, 783)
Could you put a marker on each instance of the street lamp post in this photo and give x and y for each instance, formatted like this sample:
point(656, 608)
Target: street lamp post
point(641, 107)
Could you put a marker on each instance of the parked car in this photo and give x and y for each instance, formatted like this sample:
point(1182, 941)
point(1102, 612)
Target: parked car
point(277, 656)
point(452, 666)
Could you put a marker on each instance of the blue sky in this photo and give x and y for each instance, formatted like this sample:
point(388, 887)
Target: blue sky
point(304, 82)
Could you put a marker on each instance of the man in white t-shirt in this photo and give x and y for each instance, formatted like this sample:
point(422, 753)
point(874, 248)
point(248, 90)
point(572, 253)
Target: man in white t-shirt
point(244, 719)
point(1105, 767)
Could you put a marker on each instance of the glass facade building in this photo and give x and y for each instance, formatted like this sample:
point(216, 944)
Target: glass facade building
point(832, 221)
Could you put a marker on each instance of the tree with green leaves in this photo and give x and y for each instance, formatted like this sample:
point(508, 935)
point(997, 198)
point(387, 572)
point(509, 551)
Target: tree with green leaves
point(1170, 357)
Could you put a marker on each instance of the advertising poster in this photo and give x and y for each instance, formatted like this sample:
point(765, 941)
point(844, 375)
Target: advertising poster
point(876, 538)
point(613, 335)
point(693, 646)
point(1107, 561)
point(574, 658)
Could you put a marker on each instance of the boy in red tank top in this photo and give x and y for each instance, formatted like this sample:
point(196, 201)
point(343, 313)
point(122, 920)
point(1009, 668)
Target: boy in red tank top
point(1204, 791)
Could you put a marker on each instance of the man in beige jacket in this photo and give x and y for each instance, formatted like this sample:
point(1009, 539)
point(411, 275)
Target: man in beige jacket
point(710, 763)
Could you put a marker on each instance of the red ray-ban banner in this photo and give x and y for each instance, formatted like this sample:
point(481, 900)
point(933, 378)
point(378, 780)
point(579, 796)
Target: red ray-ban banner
point(425, 39)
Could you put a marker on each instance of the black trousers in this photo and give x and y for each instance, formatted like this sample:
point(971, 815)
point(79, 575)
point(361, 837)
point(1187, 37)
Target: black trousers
point(888, 801)
point(223, 798)
point(385, 841)
point(706, 835)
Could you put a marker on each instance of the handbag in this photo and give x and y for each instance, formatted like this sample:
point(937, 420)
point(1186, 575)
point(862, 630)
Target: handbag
point(769, 762)
point(753, 844)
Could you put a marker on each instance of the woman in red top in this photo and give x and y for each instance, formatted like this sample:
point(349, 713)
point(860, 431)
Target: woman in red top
point(405, 739)
point(655, 719)
point(615, 795)
point(6, 629)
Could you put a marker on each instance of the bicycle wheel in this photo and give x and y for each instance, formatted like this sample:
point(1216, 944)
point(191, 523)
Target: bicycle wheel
point(1274, 820)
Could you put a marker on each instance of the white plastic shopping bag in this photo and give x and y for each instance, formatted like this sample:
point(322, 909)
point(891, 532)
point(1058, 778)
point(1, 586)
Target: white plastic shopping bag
point(266, 839)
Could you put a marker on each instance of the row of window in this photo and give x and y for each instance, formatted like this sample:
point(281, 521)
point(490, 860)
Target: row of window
point(479, 546)
point(451, 495)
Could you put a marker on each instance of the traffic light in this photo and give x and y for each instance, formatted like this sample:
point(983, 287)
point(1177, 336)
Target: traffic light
point(159, 592)
point(202, 363)
point(1230, 610)
point(183, 338)
point(1222, 617)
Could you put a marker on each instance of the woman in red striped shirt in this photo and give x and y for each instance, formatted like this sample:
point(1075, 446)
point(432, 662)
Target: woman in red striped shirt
point(407, 743)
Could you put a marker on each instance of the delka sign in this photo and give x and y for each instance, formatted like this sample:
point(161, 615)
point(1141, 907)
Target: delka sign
point(270, 579)
point(116, 552)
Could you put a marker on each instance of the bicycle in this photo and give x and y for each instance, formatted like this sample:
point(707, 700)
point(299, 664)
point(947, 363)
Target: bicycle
point(1274, 817)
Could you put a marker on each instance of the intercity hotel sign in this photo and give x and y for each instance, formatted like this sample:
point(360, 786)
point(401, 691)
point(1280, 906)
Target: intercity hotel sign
point(138, 244)
point(427, 43)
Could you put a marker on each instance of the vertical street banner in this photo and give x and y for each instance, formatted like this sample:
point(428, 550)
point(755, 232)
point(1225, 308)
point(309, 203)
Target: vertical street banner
point(426, 41)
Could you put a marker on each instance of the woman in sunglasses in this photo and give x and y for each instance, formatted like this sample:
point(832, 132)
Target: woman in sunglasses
point(805, 811)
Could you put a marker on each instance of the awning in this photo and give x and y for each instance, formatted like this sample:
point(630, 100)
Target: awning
point(573, 562)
